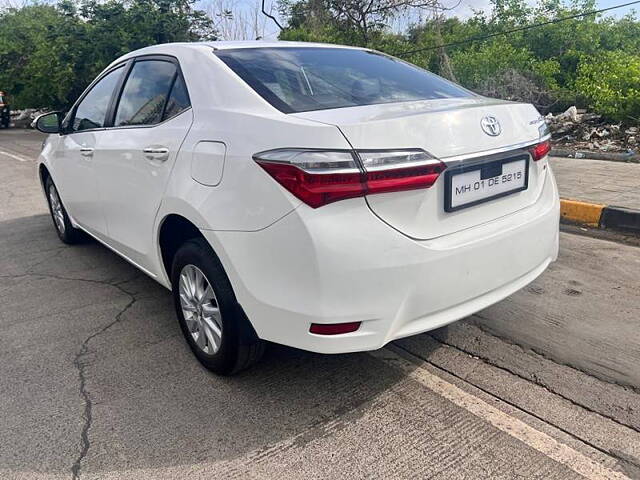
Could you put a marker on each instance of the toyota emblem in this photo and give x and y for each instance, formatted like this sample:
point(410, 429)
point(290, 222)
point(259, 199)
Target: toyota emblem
point(491, 126)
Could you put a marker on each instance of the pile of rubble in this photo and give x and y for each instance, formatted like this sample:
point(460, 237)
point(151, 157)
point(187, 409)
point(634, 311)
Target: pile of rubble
point(579, 130)
point(23, 118)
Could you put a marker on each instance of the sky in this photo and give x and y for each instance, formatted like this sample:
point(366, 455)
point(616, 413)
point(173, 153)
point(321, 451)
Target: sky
point(465, 9)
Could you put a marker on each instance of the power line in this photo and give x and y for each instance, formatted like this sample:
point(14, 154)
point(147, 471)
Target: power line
point(514, 30)
point(274, 18)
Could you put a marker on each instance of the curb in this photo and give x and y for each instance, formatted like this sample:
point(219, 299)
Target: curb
point(588, 155)
point(599, 216)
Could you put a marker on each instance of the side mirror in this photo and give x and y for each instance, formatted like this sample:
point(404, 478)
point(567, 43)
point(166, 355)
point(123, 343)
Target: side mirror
point(49, 122)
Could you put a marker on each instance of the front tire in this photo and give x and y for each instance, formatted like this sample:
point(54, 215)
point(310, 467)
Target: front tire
point(66, 232)
point(216, 329)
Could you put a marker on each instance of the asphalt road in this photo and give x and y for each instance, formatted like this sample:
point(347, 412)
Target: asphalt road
point(97, 382)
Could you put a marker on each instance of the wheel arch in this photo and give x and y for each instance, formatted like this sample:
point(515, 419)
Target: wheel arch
point(173, 231)
point(43, 174)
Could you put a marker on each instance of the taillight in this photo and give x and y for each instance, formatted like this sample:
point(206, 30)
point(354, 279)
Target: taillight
point(315, 177)
point(393, 171)
point(540, 150)
point(319, 177)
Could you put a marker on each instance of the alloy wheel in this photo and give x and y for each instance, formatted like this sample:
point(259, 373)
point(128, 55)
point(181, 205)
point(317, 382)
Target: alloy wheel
point(56, 209)
point(200, 309)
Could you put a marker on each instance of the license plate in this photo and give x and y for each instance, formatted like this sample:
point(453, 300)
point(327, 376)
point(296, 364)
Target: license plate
point(469, 185)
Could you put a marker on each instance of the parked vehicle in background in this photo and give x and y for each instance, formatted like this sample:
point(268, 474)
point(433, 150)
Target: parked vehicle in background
point(323, 197)
point(5, 110)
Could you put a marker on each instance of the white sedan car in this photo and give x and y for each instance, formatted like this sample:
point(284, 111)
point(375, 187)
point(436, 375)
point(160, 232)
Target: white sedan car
point(323, 197)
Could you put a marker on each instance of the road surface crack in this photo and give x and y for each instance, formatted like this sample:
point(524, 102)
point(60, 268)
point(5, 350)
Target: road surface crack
point(81, 366)
point(79, 360)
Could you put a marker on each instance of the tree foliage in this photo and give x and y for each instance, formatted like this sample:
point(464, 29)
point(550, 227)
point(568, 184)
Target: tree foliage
point(49, 53)
point(354, 21)
point(610, 83)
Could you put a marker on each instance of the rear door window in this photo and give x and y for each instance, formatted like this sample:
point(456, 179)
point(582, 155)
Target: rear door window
point(145, 93)
point(178, 99)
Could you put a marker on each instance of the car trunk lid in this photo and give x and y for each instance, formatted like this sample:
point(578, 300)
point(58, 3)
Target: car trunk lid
point(452, 131)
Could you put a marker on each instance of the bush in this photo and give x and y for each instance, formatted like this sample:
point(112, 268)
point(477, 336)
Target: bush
point(472, 67)
point(611, 85)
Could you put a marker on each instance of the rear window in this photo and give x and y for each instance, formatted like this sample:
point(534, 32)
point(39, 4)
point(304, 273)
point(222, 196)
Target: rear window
point(296, 79)
point(145, 94)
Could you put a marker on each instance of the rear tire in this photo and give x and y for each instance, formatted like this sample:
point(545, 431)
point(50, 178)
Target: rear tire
point(66, 232)
point(215, 327)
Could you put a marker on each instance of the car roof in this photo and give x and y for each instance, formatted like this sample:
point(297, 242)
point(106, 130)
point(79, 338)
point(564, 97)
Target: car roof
point(225, 45)
point(175, 48)
point(232, 44)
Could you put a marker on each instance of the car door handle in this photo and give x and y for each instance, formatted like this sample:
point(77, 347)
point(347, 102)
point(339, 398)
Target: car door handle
point(86, 151)
point(156, 153)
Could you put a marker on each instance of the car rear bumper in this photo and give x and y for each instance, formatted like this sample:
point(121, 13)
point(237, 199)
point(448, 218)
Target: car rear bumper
point(340, 263)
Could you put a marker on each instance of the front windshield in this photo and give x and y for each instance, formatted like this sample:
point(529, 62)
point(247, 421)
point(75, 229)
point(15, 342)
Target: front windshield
point(299, 79)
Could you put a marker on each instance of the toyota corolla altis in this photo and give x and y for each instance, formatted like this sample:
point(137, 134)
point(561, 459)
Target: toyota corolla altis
point(328, 198)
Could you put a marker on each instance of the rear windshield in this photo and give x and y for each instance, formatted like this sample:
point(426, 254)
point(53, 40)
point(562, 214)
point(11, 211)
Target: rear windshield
point(296, 79)
point(1, 99)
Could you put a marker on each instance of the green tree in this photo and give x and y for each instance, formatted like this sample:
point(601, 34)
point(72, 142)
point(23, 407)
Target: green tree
point(50, 53)
point(359, 22)
point(37, 65)
point(611, 84)
point(472, 66)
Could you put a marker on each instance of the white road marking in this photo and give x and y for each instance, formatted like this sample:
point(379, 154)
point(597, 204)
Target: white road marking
point(528, 435)
point(15, 157)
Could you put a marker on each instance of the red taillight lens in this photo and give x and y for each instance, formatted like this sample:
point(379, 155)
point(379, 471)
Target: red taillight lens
point(540, 150)
point(321, 177)
point(316, 177)
point(334, 328)
point(408, 178)
point(315, 189)
point(396, 170)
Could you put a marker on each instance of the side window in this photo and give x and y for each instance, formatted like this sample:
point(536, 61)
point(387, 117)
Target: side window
point(178, 99)
point(92, 110)
point(145, 93)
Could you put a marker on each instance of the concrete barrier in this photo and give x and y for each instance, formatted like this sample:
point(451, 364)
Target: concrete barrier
point(599, 216)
